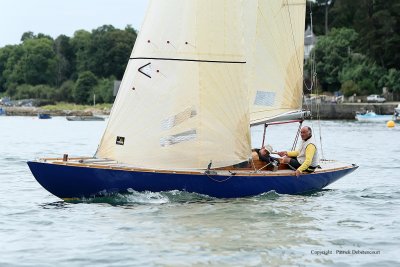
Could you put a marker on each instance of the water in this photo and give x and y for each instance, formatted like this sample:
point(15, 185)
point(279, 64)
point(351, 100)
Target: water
point(359, 212)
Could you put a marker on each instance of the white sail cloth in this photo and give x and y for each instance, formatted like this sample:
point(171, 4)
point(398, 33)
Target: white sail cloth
point(275, 57)
point(182, 102)
point(196, 66)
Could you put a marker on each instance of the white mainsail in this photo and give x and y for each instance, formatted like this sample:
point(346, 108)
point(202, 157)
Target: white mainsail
point(275, 57)
point(183, 101)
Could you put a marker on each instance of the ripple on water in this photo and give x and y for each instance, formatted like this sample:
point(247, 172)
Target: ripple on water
point(382, 195)
point(179, 228)
point(352, 223)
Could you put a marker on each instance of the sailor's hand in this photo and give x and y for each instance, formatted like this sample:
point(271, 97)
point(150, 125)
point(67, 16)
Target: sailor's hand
point(282, 153)
point(298, 172)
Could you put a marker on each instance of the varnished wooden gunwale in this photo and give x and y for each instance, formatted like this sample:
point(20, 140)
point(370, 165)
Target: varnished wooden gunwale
point(226, 171)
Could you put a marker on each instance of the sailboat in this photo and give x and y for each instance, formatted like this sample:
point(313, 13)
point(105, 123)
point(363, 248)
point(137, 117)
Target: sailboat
point(199, 77)
point(371, 116)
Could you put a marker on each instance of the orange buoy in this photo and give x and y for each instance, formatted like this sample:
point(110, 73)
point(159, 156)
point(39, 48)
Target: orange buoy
point(390, 124)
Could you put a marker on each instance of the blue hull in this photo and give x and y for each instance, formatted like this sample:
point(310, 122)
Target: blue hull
point(76, 182)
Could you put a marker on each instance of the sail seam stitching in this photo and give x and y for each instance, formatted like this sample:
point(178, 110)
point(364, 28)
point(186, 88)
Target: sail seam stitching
point(191, 60)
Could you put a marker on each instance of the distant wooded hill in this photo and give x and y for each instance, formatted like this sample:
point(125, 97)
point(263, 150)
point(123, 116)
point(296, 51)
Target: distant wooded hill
point(66, 69)
point(356, 53)
point(358, 45)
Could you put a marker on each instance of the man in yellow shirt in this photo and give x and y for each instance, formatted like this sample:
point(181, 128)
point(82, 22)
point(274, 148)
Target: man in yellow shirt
point(305, 158)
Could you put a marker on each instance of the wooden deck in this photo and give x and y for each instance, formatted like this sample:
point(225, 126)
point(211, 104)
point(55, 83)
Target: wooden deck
point(254, 167)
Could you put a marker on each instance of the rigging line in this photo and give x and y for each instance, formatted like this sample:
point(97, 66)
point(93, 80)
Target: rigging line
point(254, 166)
point(313, 78)
point(312, 55)
point(294, 42)
point(190, 60)
point(318, 108)
point(293, 38)
point(318, 121)
point(258, 170)
point(297, 136)
point(319, 125)
point(312, 65)
point(264, 167)
point(219, 181)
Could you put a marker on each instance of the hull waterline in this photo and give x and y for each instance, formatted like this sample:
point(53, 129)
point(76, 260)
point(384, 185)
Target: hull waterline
point(66, 181)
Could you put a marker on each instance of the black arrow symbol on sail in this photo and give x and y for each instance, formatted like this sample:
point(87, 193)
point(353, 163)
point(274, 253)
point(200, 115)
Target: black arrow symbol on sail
point(142, 67)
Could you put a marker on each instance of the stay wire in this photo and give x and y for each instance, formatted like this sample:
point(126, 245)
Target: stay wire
point(313, 81)
point(294, 43)
point(293, 38)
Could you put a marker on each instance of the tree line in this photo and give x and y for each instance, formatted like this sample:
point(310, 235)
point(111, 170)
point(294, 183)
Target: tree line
point(357, 48)
point(69, 69)
point(356, 53)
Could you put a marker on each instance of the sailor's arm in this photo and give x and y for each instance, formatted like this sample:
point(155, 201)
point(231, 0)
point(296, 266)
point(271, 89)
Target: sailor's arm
point(291, 154)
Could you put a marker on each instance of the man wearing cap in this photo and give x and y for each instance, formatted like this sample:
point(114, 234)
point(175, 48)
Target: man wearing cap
point(305, 158)
point(264, 153)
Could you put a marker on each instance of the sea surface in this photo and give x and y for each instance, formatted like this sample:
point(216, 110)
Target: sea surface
point(353, 222)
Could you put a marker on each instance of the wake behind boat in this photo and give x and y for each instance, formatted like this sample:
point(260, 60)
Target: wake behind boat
point(198, 78)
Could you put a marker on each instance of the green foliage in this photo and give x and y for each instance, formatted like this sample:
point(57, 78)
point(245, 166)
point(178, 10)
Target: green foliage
point(39, 62)
point(364, 73)
point(65, 55)
point(350, 88)
point(5, 54)
point(104, 90)
point(331, 53)
point(378, 25)
point(80, 43)
point(105, 51)
point(391, 80)
point(65, 92)
point(12, 73)
point(84, 88)
point(27, 35)
point(33, 62)
point(64, 64)
point(26, 91)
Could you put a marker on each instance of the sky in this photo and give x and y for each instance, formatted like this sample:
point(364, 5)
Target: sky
point(55, 17)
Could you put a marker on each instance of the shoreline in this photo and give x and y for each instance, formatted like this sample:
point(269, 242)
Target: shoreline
point(347, 111)
point(34, 111)
point(327, 111)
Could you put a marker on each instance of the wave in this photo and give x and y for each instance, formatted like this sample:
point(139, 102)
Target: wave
point(132, 197)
